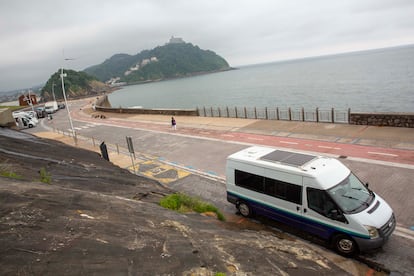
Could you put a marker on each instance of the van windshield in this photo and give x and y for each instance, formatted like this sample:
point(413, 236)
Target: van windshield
point(351, 195)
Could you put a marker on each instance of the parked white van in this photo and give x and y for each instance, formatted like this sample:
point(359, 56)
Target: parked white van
point(24, 120)
point(31, 114)
point(317, 194)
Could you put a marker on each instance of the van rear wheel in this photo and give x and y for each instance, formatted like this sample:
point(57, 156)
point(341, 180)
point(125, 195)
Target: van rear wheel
point(345, 245)
point(244, 209)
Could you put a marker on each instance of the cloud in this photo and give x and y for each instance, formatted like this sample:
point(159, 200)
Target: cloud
point(34, 33)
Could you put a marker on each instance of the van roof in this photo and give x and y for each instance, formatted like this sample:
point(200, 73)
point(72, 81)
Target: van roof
point(323, 168)
point(273, 156)
point(288, 158)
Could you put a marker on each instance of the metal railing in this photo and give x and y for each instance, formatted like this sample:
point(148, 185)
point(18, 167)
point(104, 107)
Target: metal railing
point(288, 114)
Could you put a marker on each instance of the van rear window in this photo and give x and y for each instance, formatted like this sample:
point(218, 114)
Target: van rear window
point(272, 187)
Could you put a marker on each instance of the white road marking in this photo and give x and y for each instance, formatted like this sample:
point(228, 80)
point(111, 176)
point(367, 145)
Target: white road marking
point(290, 143)
point(404, 233)
point(255, 139)
point(326, 147)
point(382, 153)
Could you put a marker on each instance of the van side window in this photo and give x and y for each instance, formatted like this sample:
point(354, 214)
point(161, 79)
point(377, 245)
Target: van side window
point(249, 181)
point(272, 187)
point(320, 202)
point(283, 190)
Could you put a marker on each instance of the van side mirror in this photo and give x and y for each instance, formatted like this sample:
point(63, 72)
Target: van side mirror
point(367, 184)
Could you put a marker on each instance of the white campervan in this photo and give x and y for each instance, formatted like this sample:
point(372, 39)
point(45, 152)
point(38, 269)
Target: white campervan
point(24, 120)
point(317, 194)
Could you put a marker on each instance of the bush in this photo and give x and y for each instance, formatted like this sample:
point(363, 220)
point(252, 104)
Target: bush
point(45, 177)
point(183, 203)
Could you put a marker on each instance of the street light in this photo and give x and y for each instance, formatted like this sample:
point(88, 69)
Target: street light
point(62, 75)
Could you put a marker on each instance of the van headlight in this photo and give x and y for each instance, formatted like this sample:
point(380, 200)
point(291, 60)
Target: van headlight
point(372, 231)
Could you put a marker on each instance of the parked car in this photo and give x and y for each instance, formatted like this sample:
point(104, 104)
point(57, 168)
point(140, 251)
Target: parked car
point(29, 114)
point(24, 120)
point(41, 113)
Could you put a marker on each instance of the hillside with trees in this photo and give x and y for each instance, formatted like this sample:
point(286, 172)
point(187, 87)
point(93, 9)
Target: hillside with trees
point(77, 84)
point(172, 60)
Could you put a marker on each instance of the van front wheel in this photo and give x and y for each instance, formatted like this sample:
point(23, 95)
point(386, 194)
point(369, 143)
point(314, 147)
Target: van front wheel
point(345, 245)
point(244, 209)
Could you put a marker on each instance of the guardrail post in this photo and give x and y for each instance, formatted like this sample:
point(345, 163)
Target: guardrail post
point(212, 114)
point(235, 109)
point(205, 114)
point(267, 117)
point(317, 114)
point(245, 112)
point(228, 114)
point(255, 113)
point(219, 111)
point(303, 114)
point(349, 115)
point(277, 114)
point(333, 115)
point(290, 114)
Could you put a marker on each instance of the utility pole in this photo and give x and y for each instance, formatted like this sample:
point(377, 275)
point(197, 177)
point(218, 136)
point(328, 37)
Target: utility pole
point(62, 75)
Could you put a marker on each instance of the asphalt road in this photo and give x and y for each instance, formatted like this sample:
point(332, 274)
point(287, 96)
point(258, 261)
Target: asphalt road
point(205, 155)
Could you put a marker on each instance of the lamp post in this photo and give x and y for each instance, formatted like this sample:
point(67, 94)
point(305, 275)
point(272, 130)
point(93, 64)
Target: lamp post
point(62, 75)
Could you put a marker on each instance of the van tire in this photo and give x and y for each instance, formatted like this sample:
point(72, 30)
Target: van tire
point(345, 245)
point(244, 209)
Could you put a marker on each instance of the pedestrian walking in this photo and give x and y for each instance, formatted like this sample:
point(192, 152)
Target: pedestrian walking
point(173, 123)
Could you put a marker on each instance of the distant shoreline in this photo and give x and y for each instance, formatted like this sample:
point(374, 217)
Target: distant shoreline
point(178, 77)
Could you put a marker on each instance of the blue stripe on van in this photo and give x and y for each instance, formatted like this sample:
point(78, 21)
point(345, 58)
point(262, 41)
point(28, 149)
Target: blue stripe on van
point(321, 229)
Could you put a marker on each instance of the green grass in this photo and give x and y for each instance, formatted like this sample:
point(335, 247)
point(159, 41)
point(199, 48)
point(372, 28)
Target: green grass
point(45, 177)
point(183, 203)
point(6, 171)
point(13, 107)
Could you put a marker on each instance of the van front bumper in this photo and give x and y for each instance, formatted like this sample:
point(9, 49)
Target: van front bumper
point(369, 244)
point(385, 232)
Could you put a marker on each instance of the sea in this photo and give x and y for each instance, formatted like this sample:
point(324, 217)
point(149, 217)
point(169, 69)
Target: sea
point(379, 80)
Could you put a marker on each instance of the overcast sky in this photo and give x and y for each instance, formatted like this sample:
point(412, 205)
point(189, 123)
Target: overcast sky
point(34, 34)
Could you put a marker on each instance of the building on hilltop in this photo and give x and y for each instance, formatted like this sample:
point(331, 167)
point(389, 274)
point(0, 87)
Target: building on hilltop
point(176, 40)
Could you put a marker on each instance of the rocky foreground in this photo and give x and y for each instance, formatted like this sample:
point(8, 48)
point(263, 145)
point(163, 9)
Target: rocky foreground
point(96, 218)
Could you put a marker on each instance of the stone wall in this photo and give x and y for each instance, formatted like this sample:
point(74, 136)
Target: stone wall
point(382, 119)
point(102, 104)
point(102, 101)
point(173, 112)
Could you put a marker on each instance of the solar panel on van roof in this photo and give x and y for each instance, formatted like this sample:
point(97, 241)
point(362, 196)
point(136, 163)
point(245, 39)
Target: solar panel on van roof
point(288, 158)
